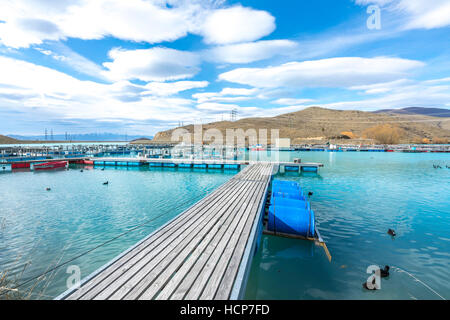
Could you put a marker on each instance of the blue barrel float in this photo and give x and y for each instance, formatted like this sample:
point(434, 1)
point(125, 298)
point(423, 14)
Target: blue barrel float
point(134, 164)
point(309, 169)
point(169, 165)
point(289, 210)
point(231, 166)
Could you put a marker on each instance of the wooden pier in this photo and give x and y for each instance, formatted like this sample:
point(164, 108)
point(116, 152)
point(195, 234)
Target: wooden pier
point(203, 253)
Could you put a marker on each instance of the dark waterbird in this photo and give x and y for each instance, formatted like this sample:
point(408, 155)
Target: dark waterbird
point(105, 183)
point(48, 189)
point(81, 170)
point(391, 232)
point(310, 194)
point(385, 272)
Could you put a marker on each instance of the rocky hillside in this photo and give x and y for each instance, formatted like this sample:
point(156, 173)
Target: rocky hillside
point(7, 140)
point(319, 125)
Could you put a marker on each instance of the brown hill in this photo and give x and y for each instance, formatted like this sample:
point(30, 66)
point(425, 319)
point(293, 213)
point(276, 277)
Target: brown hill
point(319, 125)
point(7, 140)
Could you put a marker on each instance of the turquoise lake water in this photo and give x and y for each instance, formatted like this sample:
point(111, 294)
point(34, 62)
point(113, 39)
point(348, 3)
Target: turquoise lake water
point(357, 197)
point(48, 227)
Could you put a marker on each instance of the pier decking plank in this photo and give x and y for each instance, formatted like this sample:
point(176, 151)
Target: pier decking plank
point(212, 274)
point(191, 256)
point(141, 250)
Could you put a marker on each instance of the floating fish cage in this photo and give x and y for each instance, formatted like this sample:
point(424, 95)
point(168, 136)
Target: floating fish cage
point(289, 214)
point(214, 166)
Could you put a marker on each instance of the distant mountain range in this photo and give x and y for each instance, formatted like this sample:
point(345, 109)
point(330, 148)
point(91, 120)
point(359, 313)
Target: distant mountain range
point(80, 137)
point(432, 112)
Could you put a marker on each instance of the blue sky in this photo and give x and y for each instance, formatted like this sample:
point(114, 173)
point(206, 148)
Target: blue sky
point(141, 66)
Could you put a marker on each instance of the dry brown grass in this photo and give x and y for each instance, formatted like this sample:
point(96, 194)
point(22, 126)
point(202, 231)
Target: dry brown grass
point(15, 286)
point(320, 122)
point(349, 134)
point(11, 285)
point(7, 140)
point(438, 140)
point(384, 134)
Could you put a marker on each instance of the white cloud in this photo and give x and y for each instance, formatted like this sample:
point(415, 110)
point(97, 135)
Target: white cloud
point(291, 101)
point(171, 88)
point(237, 24)
point(226, 95)
point(382, 87)
point(238, 91)
point(417, 14)
point(70, 58)
point(28, 22)
point(377, 2)
point(136, 20)
point(250, 52)
point(334, 72)
point(24, 85)
point(155, 64)
point(441, 80)
point(27, 87)
point(401, 94)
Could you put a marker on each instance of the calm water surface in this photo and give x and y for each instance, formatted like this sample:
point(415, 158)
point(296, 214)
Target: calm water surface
point(46, 227)
point(357, 197)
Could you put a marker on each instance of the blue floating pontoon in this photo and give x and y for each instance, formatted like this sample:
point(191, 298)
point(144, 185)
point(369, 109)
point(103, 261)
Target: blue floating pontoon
point(155, 164)
point(231, 166)
point(309, 169)
point(169, 165)
point(291, 220)
point(134, 164)
point(289, 211)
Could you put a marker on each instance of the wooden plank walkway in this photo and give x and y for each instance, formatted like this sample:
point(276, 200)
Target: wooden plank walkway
point(203, 253)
